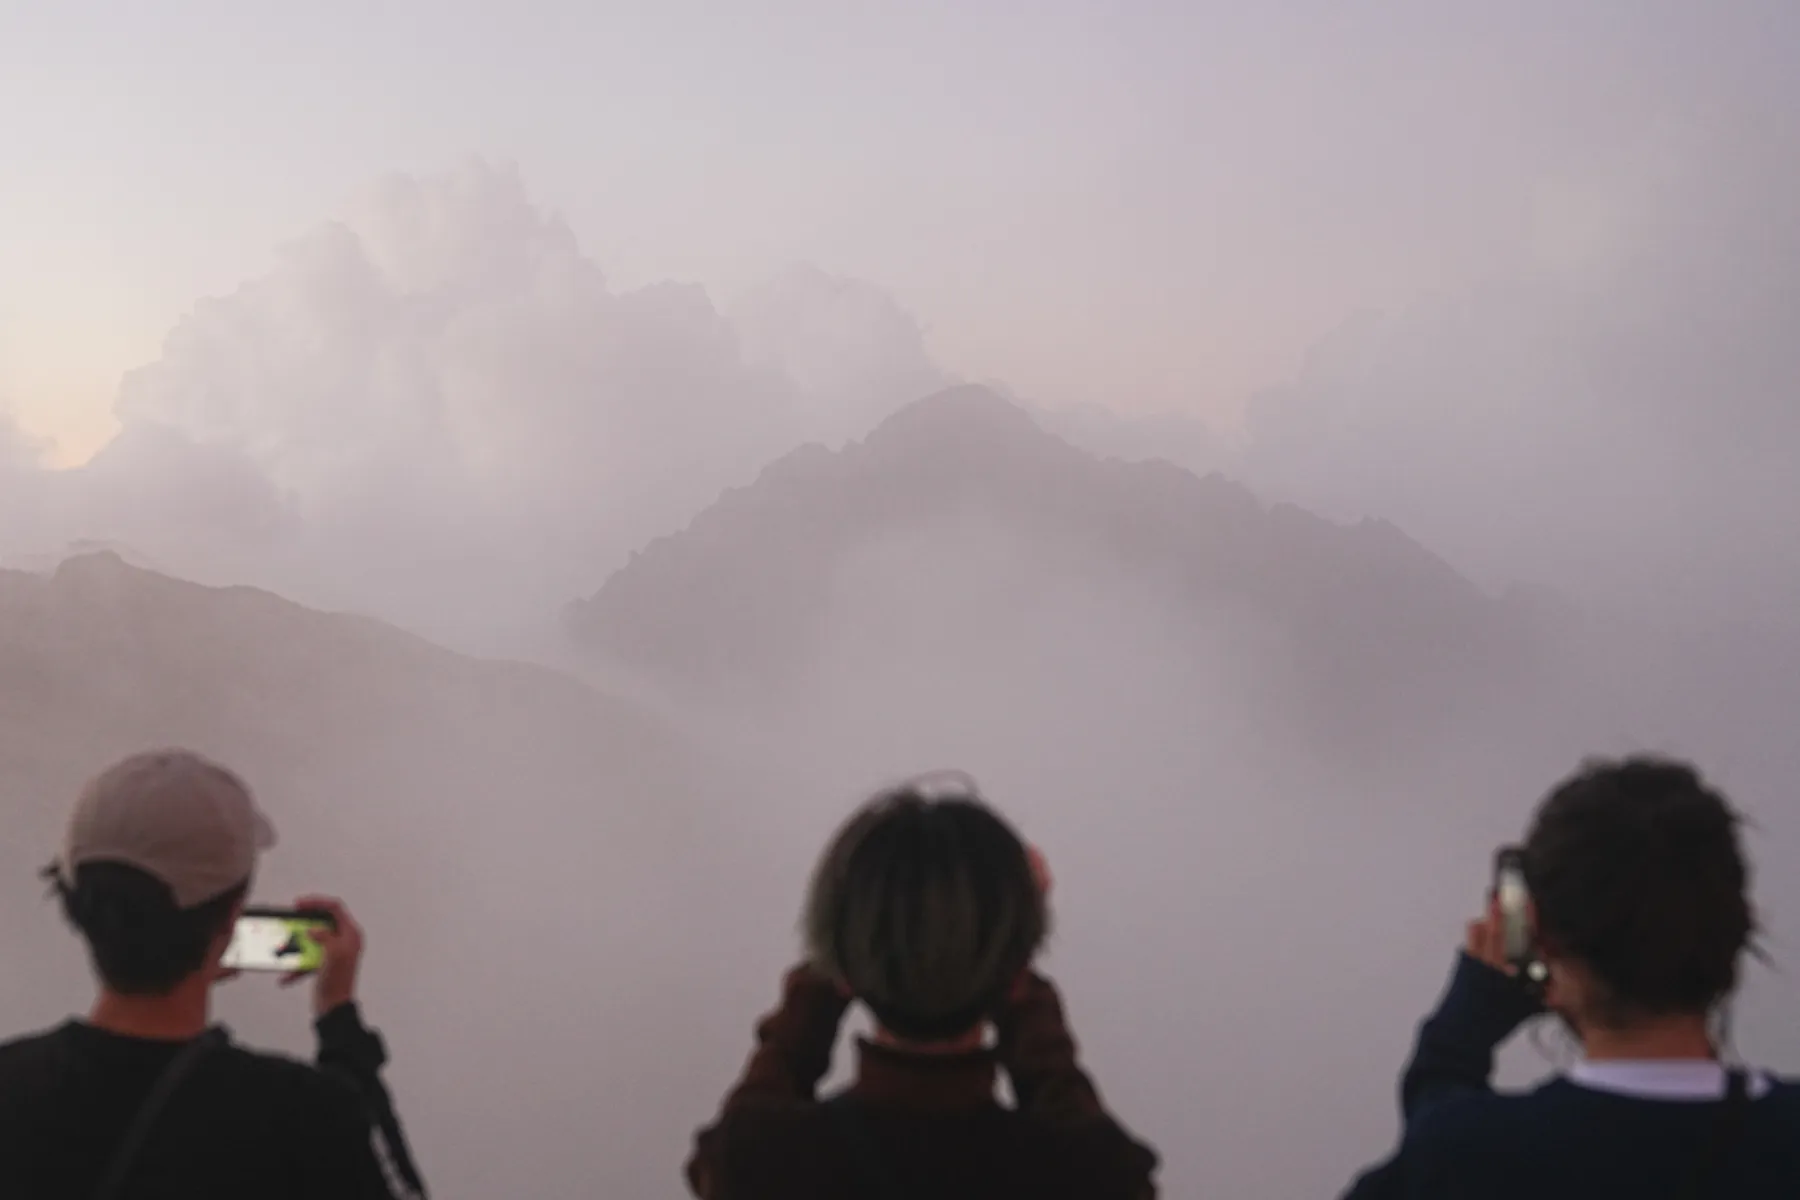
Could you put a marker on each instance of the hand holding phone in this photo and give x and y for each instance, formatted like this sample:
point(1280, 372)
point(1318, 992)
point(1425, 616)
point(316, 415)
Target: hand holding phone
point(341, 945)
point(316, 939)
point(285, 940)
point(1512, 942)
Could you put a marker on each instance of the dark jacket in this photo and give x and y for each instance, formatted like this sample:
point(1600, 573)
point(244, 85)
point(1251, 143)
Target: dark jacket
point(1562, 1141)
point(927, 1125)
point(241, 1124)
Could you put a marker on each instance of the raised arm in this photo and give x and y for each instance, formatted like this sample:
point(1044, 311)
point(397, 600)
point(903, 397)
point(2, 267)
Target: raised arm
point(1039, 1056)
point(1454, 1055)
point(1482, 1007)
point(792, 1054)
point(373, 1159)
point(354, 1053)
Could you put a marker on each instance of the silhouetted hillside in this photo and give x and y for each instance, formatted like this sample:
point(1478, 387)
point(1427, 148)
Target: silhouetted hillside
point(496, 826)
point(1350, 624)
point(100, 657)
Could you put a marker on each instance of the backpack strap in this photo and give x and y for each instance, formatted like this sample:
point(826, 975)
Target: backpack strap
point(1726, 1130)
point(871, 1165)
point(179, 1068)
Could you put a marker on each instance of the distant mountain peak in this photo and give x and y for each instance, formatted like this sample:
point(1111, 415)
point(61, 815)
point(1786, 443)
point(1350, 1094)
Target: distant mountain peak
point(745, 595)
point(960, 412)
point(960, 431)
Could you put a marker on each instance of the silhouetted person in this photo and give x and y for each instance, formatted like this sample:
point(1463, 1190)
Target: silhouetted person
point(1640, 914)
point(154, 871)
point(929, 910)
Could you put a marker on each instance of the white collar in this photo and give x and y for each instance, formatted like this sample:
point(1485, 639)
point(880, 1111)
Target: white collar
point(1661, 1079)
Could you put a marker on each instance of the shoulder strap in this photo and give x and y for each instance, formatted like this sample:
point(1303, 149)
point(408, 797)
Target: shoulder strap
point(871, 1166)
point(1726, 1128)
point(179, 1068)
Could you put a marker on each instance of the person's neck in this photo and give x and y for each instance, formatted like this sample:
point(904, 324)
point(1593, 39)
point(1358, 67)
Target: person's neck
point(971, 1042)
point(176, 1016)
point(1683, 1036)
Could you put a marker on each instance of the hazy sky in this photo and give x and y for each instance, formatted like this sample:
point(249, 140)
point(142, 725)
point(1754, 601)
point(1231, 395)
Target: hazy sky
point(1148, 205)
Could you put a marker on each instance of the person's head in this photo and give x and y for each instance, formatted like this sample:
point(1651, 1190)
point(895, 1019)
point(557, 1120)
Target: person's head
point(925, 907)
point(1641, 894)
point(155, 866)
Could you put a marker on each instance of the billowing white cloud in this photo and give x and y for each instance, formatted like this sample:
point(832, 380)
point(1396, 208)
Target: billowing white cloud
point(437, 409)
point(17, 452)
point(855, 354)
point(22, 483)
point(450, 347)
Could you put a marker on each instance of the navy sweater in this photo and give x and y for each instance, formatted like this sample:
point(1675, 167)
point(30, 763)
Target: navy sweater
point(1464, 1141)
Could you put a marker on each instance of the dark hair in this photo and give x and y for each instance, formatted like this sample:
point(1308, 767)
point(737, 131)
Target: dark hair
point(1637, 871)
point(141, 943)
point(927, 910)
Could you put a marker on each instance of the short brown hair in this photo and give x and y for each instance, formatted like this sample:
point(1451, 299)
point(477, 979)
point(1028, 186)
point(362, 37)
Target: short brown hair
point(1637, 871)
point(927, 909)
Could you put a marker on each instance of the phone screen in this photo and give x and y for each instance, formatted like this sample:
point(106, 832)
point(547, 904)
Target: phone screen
point(266, 940)
point(1513, 899)
point(1509, 889)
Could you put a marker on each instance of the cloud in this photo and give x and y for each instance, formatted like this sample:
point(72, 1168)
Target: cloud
point(440, 392)
point(854, 353)
point(1617, 422)
point(17, 451)
point(151, 481)
point(449, 348)
point(22, 482)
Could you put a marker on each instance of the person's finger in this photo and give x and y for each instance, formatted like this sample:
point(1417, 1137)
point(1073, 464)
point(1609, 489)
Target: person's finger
point(324, 936)
point(1486, 939)
point(343, 926)
point(325, 904)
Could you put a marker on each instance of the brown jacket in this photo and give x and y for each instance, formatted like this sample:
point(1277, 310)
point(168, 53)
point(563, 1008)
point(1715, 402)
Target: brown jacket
point(931, 1125)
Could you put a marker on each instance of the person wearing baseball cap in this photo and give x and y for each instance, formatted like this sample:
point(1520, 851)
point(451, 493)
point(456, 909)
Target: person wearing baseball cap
point(145, 1097)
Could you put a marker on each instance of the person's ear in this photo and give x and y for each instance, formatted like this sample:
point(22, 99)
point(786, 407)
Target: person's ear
point(1564, 990)
point(230, 924)
point(222, 942)
point(1556, 991)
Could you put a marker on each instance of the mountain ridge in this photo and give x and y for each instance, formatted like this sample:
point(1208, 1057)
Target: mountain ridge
point(741, 591)
point(477, 816)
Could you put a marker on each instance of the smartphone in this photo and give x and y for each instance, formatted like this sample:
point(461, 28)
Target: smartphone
point(277, 939)
point(1514, 901)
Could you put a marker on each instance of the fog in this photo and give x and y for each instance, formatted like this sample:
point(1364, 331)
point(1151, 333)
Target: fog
point(1618, 422)
point(442, 386)
point(1405, 409)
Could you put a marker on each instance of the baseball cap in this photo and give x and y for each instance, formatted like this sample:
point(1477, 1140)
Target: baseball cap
point(176, 816)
